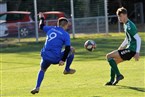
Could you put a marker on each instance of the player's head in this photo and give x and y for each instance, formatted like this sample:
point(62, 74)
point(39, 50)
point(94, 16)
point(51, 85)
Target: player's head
point(63, 22)
point(122, 14)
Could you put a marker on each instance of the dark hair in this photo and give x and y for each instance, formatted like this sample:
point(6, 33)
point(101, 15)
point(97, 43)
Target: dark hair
point(121, 10)
point(62, 21)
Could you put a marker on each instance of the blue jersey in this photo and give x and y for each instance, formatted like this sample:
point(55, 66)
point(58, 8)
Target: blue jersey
point(56, 38)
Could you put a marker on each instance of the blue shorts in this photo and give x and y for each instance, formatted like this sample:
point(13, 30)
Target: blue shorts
point(46, 63)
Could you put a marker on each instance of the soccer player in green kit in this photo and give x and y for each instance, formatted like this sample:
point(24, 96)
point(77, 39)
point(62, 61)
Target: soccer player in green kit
point(129, 48)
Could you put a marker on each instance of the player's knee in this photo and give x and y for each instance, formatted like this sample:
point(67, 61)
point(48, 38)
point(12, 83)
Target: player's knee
point(108, 56)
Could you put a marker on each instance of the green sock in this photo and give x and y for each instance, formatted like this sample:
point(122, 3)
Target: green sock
point(112, 75)
point(114, 66)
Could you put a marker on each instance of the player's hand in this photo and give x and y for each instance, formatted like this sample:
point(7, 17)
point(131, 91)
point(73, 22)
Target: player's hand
point(40, 15)
point(136, 56)
point(61, 63)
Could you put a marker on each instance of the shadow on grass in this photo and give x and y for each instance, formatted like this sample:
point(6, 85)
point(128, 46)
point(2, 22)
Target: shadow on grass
point(132, 88)
point(104, 46)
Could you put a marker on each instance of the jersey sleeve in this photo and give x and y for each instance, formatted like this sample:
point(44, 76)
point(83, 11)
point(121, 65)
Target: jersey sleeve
point(138, 39)
point(47, 28)
point(67, 40)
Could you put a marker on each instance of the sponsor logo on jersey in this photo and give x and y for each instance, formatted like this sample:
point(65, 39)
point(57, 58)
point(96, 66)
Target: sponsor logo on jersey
point(125, 51)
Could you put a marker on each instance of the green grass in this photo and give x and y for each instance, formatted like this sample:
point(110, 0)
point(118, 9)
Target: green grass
point(20, 65)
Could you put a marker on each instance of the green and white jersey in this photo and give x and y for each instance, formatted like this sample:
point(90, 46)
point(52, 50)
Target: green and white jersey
point(131, 30)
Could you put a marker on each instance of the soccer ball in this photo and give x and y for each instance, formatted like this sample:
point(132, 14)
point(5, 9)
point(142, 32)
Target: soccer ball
point(90, 45)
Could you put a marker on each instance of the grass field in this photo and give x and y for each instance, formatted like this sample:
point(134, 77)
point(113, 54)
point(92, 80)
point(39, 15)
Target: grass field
point(20, 65)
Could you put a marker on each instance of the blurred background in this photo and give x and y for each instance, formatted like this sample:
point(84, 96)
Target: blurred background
point(17, 17)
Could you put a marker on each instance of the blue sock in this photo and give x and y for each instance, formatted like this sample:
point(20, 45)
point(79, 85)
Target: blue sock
point(69, 61)
point(40, 78)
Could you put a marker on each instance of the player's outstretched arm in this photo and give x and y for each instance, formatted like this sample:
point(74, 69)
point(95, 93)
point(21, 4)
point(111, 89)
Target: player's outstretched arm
point(41, 23)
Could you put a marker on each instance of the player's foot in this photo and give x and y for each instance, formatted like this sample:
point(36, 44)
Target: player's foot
point(118, 78)
point(109, 83)
point(71, 71)
point(36, 90)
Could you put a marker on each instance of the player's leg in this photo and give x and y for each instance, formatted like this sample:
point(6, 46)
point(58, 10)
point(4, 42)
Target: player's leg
point(125, 54)
point(69, 62)
point(113, 59)
point(112, 77)
point(44, 65)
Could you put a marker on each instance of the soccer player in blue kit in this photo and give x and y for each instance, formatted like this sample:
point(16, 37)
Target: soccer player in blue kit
point(52, 52)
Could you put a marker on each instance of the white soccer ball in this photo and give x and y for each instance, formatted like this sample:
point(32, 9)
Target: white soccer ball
point(90, 45)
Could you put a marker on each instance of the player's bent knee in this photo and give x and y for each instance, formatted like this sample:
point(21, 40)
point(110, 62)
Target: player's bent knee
point(108, 56)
